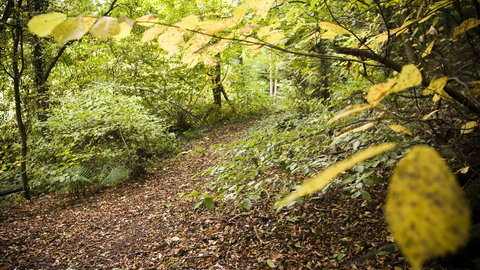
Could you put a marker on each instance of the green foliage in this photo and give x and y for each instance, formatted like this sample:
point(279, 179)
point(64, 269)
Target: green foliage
point(99, 131)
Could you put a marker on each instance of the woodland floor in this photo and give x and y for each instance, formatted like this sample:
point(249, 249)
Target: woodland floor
point(145, 225)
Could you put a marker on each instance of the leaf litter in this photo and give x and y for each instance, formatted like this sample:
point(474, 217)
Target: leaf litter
point(146, 225)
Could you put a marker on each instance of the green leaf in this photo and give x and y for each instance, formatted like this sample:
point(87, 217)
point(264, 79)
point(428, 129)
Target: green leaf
point(271, 263)
point(366, 195)
point(247, 204)
point(208, 202)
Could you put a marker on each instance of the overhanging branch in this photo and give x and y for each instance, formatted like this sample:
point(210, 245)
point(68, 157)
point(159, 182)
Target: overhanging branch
point(471, 104)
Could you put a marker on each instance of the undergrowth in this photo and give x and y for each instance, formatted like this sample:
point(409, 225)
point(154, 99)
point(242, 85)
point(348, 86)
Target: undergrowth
point(279, 153)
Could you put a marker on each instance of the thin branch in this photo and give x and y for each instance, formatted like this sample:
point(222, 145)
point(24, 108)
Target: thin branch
point(471, 104)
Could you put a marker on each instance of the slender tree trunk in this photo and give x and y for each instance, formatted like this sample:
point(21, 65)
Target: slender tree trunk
point(271, 72)
point(17, 56)
point(218, 86)
point(39, 68)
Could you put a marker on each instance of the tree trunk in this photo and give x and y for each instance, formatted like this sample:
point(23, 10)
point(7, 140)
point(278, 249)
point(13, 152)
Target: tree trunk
point(39, 67)
point(218, 86)
point(17, 56)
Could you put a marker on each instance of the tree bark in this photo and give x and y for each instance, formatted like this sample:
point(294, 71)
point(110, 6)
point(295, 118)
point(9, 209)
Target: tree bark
point(218, 86)
point(17, 56)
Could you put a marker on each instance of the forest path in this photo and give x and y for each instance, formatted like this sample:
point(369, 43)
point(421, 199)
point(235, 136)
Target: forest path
point(147, 226)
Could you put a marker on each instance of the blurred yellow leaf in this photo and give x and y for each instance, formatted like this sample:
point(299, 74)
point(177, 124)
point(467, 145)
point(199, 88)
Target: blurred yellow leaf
point(130, 22)
point(42, 25)
point(464, 170)
point(189, 22)
point(475, 92)
point(247, 29)
point(328, 35)
point(152, 33)
point(378, 91)
point(465, 26)
point(426, 209)
point(213, 27)
point(428, 50)
point(221, 45)
point(321, 180)
point(256, 51)
point(337, 29)
point(208, 60)
point(398, 128)
point(105, 27)
point(264, 31)
point(355, 130)
point(148, 20)
point(426, 117)
point(261, 7)
point(468, 127)
point(72, 29)
point(409, 77)
point(350, 111)
point(436, 87)
point(170, 40)
point(275, 37)
point(238, 13)
point(125, 29)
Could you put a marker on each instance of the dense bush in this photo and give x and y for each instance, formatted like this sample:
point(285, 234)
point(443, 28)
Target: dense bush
point(95, 136)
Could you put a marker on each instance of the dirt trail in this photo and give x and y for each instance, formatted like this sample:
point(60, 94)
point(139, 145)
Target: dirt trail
point(145, 225)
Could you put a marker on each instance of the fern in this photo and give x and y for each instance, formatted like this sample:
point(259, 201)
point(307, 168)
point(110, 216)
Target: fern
point(116, 174)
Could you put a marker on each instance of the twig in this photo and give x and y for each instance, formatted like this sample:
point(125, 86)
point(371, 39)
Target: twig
point(256, 234)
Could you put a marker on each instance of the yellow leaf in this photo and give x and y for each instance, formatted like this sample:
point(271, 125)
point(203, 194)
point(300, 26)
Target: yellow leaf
point(199, 39)
point(435, 98)
point(261, 7)
point(333, 27)
point(465, 26)
point(409, 77)
point(475, 92)
point(264, 31)
point(130, 22)
point(398, 128)
point(125, 29)
point(189, 22)
point(190, 55)
point(328, 35)
point(321, 180)
point(42, 25)
point(208, 60)
point(436, 87)
point(425, 208)
point(378, 91)
point(463, 170)
point(256, 51)
point(426, 117)
point(213, 27)
point(441, 4)
point(252, 42)
point(73, 28)
point(355, 130)
point(193, 62)
point(429, 49)
point(468, 127)
point(148, 20)
point(275, 37)
point(350, 111)
point(221, 45)
point(105, 27)
point(153, 32)
point(238, 13)
point(170, 40)
point(247, 29)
